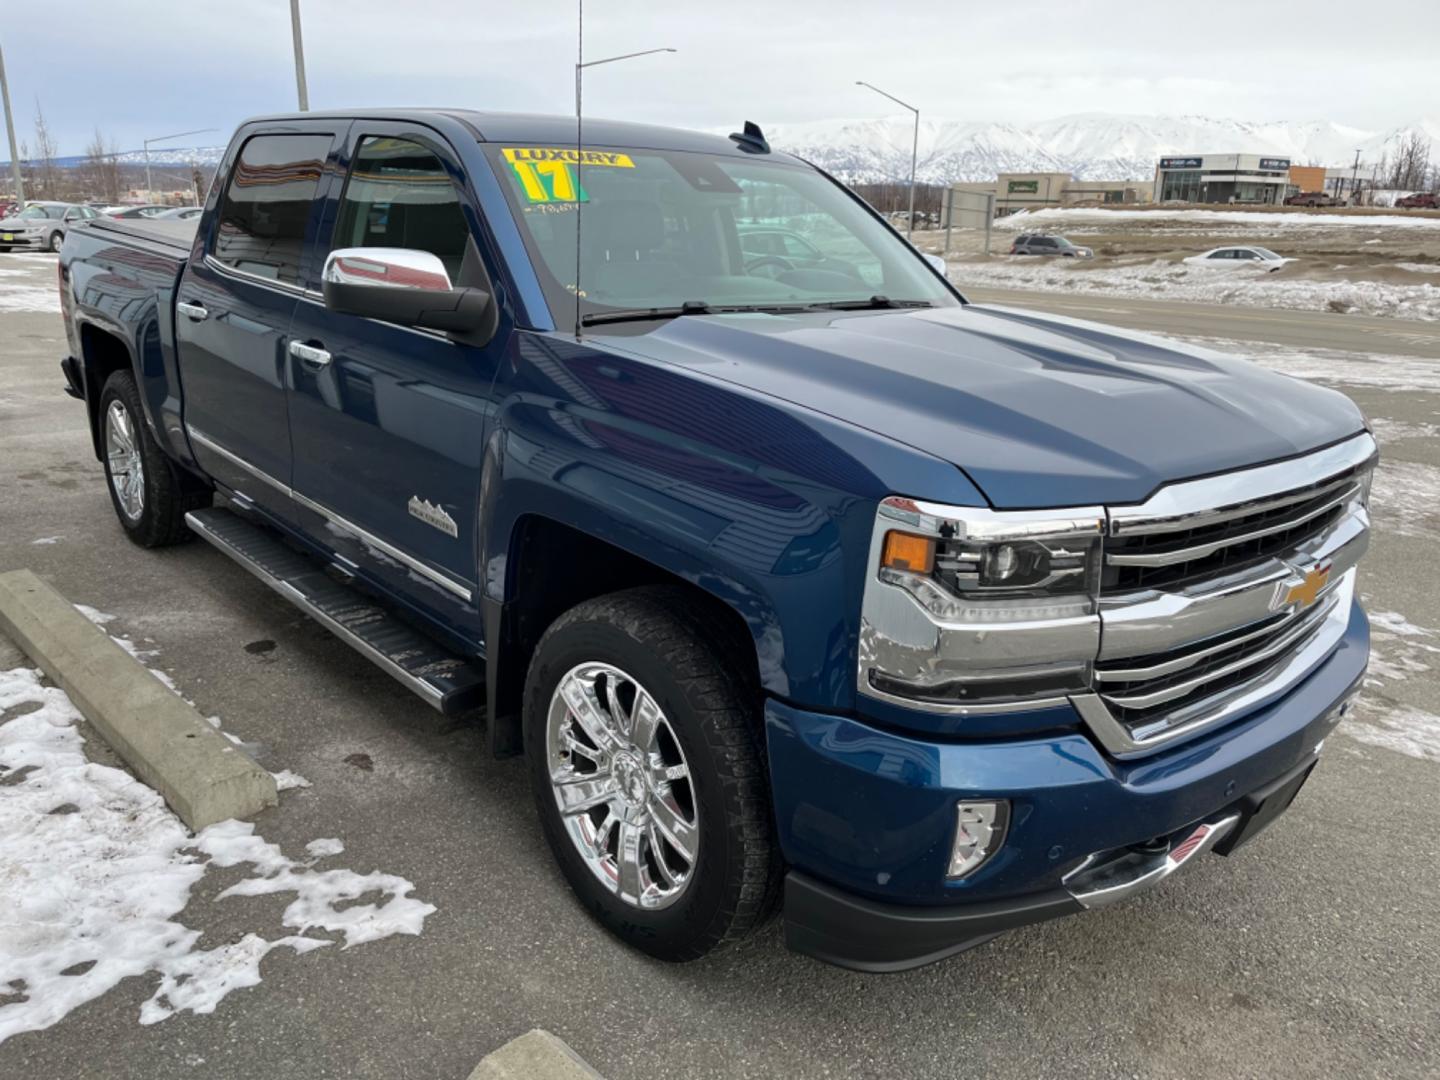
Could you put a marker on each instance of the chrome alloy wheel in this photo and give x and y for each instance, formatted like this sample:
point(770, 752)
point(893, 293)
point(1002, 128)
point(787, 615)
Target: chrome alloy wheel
point(127, 469)
point(622, 785)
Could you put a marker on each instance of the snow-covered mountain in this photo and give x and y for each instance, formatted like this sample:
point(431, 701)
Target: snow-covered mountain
point(1092, 146)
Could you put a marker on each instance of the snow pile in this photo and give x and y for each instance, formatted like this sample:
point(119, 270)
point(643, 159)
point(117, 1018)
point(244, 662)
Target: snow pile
point(96, 871)
point(1165, 280)
point(1076, 217)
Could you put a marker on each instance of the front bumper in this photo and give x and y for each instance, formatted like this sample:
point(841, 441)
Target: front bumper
point(866, 816)
point(35, 240)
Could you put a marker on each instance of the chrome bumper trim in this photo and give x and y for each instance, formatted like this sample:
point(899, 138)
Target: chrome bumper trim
point(1095, 883)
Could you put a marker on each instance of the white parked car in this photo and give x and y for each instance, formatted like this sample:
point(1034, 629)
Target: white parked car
point(1228, 258)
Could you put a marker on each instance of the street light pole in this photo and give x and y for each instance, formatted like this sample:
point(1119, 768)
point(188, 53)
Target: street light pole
point(10, 131)
point(914, 149)
point(300, 89)
point(165, 138)
point(580, 65)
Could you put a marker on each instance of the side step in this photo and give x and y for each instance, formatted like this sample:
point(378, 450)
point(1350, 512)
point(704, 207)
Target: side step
point(447, 682)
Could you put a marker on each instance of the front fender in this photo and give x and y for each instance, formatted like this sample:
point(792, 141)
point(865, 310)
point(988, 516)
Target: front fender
point(762, 504)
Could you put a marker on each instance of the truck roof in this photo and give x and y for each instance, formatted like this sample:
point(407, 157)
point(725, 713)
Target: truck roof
point(543, 129)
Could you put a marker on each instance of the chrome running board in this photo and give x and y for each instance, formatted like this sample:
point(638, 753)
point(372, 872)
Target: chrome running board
point(445, 681)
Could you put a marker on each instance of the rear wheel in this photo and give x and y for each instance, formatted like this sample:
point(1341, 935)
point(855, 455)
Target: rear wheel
point(150, 496)
point(643, 743)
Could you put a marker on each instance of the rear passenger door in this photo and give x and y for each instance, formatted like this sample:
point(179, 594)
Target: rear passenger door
point(234, 305)
point(388, 422)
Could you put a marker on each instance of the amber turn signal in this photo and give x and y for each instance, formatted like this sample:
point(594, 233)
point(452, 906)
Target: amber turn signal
point(905, 551)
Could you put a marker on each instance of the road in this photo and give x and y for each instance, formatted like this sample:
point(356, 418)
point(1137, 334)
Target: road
point(1313, 953)
point(1297, 329)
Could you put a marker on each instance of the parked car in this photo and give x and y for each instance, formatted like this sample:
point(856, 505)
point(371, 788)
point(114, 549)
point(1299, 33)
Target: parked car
point(128, 212)
point(42, 225)
point(1421, 200)
point(786, 585)
point(780, 251)
point(1232, 258)
point(177, 213)
point(1313, 198)
point(1049, 245)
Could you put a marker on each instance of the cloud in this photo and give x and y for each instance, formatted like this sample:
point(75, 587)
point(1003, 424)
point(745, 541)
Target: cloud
point(153, 66)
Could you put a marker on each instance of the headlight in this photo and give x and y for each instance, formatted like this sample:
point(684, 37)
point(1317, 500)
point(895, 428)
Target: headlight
point(968, 608)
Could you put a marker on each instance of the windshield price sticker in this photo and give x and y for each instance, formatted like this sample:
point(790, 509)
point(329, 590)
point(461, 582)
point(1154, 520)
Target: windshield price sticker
point(547, 174)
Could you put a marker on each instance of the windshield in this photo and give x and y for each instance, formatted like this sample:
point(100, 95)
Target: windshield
point(32, 213)
point(666, 229)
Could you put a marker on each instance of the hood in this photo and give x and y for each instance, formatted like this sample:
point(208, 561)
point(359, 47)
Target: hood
point(1038, 410)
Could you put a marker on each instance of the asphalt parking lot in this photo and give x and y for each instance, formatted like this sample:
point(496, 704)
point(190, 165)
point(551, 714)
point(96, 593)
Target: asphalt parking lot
point(1313, 952)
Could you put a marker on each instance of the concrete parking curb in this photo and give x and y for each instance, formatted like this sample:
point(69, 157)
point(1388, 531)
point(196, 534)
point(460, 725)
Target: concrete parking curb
point(170, 746)
point(536, 1055)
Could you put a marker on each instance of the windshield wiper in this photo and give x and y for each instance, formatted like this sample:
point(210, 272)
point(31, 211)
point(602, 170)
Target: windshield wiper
point(689, 307)
point(873, 302)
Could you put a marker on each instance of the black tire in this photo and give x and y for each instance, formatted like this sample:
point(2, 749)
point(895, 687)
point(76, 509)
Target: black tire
point(56, 241)
point(659, 636)
point(167, 494)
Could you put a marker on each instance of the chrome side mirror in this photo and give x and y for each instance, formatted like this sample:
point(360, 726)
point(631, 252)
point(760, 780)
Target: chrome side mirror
point(403, 286)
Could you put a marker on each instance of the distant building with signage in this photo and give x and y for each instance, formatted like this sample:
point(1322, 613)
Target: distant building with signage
point(1222, 178)
point(1033, 191)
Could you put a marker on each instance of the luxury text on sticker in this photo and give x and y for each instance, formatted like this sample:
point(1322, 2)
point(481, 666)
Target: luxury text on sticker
point(547, 174)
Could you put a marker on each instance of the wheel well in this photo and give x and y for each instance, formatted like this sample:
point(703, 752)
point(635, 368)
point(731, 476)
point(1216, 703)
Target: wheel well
point(102, 354)
point(554, 567)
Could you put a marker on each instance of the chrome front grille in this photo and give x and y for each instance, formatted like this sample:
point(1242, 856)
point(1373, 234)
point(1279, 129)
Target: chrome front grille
point(1150, 693)
point(1219, 594)
point(1166, 554)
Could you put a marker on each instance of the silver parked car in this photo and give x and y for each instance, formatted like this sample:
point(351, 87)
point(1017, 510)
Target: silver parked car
point(42, 225)
point(1028, 244)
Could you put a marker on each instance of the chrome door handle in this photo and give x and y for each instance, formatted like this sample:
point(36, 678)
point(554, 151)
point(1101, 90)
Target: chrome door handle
point(309, 354)
point(192, 311)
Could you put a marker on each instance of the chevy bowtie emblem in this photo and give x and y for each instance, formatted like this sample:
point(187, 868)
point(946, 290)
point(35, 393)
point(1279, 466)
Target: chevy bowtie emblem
point(1308, 591)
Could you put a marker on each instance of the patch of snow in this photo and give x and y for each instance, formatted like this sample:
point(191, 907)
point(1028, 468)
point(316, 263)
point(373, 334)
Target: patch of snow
point(46, 540)
point(1419, 268)
point(44, 298)
point(1393, 622)
point(1401, 374)
point(1164, 279)
point(1074, 217)
point(97, 871)
point(285, 780)
point(1388, 431)
point(1405, 498)
point(99, 618)
point(1401, 728)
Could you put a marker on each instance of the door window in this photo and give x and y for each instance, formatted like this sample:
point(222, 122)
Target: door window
point(267, 204)
point(400, 196)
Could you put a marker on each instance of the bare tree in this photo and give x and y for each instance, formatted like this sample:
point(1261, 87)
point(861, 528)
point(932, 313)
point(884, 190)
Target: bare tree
point(46, 172)
point(101, 170)
point(1410, 167)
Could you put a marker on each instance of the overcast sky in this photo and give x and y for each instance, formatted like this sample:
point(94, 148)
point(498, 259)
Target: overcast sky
point(141, 68)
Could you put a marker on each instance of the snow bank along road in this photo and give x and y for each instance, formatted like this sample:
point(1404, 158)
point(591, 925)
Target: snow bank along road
point(1317, 953)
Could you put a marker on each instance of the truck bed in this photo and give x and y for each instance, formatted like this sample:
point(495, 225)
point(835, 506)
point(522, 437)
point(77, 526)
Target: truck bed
point(175, 235)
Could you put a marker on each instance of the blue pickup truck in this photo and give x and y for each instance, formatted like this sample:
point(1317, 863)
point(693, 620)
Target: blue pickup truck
point(798, 580)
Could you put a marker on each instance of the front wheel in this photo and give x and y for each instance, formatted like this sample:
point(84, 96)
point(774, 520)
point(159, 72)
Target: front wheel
point(56, 240)
point(643, 741)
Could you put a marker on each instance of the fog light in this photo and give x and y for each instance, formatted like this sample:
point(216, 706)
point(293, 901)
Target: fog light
point(979, 832)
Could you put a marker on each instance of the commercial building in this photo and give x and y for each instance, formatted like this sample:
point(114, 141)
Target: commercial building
point(1222, 178)
point(1033, 191)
